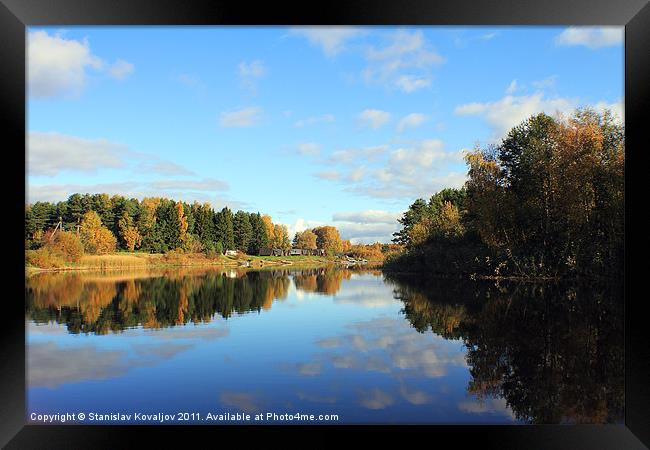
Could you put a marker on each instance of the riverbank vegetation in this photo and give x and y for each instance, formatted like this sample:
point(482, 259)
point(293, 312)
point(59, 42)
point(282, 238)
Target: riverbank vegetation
point(546, 202)
point(99, 231)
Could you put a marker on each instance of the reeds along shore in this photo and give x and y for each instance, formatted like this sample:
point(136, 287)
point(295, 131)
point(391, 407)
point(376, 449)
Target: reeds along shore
point(123, 260)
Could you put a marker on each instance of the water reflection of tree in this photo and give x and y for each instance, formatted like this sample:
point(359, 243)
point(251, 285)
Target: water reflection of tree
point(95, 304)
point(554, 352)
point(323, 280)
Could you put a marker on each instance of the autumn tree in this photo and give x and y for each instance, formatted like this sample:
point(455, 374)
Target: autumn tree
point(305, 239)
point(328, 239)
point(269, 229)
point(68, 245)
point(128, 232)
point(548, 200)
point(182, 222)
point(96, 238)
point(280, 237)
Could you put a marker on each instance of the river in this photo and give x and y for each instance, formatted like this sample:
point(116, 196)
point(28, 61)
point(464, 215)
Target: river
point(326, 346)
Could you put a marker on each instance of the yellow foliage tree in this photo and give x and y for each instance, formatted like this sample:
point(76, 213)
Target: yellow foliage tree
point(306, 240)
point(280, 237)
point(420, 232)
point(128, 232)
point(328, 239)
point(182, 221)
point(447, 222)
point(95, 237)
point(270, 229)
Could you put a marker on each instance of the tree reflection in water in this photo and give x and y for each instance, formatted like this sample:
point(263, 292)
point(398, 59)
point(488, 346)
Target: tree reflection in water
point(101, 303)
point(554, 352)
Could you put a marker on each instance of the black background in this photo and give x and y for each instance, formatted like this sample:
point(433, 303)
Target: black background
point(15, 15)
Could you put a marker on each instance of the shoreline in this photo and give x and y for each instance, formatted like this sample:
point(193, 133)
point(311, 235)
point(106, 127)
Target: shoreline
point(496, 278)
point(157, 261)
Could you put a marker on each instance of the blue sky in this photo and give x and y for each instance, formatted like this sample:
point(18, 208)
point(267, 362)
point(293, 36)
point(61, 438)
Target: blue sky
point(321, 125)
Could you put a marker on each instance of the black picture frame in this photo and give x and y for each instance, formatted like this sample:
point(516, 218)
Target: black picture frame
point(15, 15)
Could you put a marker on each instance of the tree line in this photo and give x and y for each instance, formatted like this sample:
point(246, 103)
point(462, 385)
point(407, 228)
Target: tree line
point(99, 223)
point(547, 201)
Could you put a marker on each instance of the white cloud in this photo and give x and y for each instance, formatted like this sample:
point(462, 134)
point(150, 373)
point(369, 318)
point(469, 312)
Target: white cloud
point(388, 345)
point(617, 108)
point(253, 69)
point(245, 117)
point(50, 153)
point(331, 175)
point(357, 174)
point(545, 83)
point(415, 397)
point(58, 192)
point(427, 153)
point(367, 233)
point(191, 81)
point(411, 121)
point(471, 108)
point(367, 216)
point(463, 38)
point(207, 184)
point(496, 406)
point(163, 168)
point(509, 111)
point(301, 225)
point(591, 37)
point(56, 65)
point(410, 83)
point(374, 118)
point(183, 190)
point(250, 73)
point(512, 87)
point(331, 39)
point(121, 69)
point(416, 169)
point(357, 156)
point(375, 399)
point(405, 51)
point(325, 118)
point(309, 149)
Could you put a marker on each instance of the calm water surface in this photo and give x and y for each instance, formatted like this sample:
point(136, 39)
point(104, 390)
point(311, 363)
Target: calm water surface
point(366, 346)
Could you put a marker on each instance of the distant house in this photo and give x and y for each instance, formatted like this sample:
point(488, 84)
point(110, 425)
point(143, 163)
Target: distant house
point(277, 252)
point(231, 252)
point(265, 251)
point(306, 252)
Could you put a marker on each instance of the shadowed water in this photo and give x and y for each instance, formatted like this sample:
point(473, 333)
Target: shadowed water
point(365, 346)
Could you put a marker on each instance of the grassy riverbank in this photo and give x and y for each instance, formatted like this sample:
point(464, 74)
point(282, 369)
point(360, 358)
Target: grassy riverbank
point(132, 260)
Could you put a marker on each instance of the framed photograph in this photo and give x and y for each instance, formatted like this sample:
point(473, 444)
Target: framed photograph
point(408, 217)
